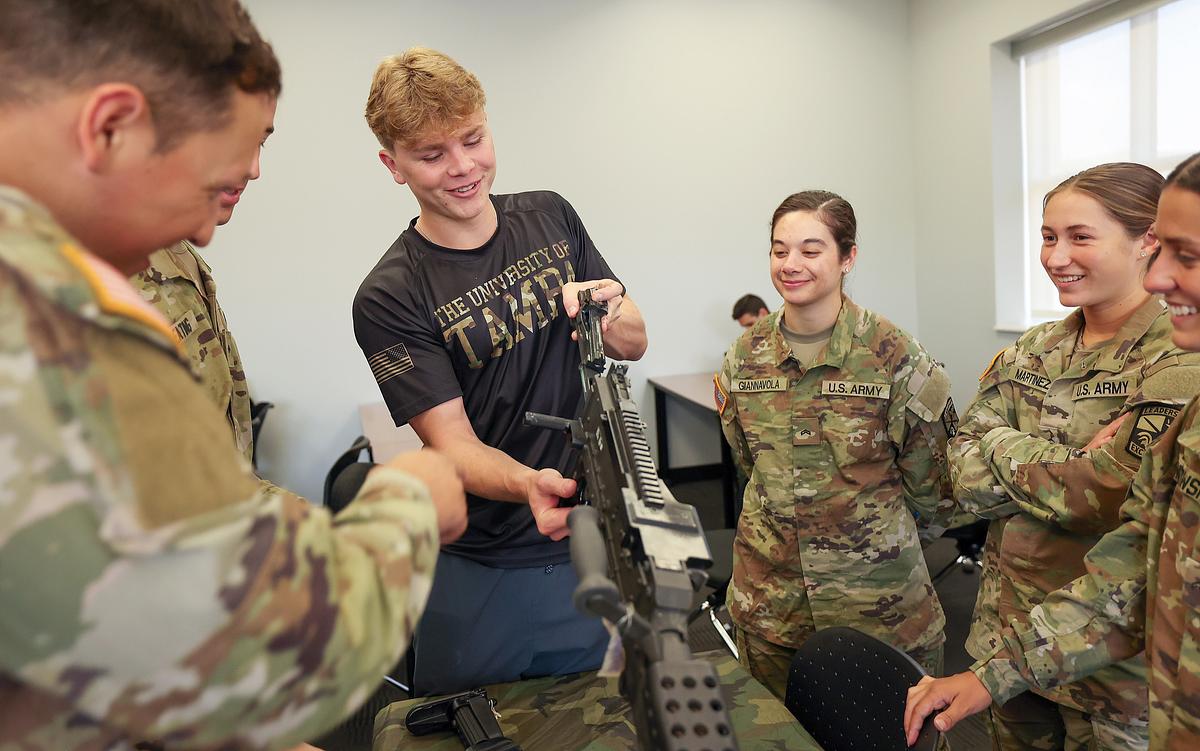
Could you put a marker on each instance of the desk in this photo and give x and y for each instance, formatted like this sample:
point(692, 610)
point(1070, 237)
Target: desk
point(582, 711)
point(694, 388)
point(386, 439)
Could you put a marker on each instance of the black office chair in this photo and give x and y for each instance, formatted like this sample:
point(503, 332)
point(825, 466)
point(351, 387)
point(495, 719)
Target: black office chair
point(848, 690)
point(258, 415)
point(347, 475)
point(969, 541)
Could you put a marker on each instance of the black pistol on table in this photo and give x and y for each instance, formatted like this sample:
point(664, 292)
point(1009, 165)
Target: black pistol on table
point(631, 527)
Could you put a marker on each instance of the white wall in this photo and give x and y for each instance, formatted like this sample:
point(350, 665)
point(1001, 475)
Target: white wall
point(674, 127)
point(959, 122)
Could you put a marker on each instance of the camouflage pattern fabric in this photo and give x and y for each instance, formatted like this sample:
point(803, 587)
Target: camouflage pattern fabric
point(180, 285)
point(1018, 459)
point(147, 599)
point(1141, 590)
point(1030, 721)
point(846, 460)
point(585, 713)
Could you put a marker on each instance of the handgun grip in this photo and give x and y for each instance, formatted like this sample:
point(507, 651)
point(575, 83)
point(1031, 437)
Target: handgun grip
point(591, 562)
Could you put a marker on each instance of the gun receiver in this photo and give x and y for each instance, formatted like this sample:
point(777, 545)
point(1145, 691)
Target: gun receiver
point(468, 714)
point(631, 525)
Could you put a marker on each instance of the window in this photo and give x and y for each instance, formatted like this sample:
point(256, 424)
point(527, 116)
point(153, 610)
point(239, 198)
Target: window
point(1123, 92)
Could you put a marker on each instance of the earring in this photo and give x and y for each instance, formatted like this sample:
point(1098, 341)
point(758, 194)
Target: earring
point(845, 269)
point(1142, 254)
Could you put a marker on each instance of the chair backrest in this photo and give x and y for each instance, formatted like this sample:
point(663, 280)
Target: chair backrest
point(258, 415)
point(848, 690)
point(346, 475)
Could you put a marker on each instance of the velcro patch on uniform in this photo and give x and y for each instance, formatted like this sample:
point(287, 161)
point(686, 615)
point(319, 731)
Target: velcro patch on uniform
point(186, 325)
point(1100, 388)
point(756, 385)
point(1152, 421)
point(950, 418)
point(1029, 378)
point(390, 363)
point(856, 388)
point(806, 431)
point(719, 395)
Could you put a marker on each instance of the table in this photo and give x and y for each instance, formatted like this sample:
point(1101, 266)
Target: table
point(697, 389)
point(583, 712)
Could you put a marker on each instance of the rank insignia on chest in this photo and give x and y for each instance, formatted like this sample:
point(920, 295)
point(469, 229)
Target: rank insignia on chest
point(1152, 421)
point(856, 388)
point(806, 431)
point(757, 385)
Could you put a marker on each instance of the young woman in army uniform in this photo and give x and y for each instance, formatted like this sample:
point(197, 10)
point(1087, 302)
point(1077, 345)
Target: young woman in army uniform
point(840, 420)
point(1139, 591)
point(1061, 420)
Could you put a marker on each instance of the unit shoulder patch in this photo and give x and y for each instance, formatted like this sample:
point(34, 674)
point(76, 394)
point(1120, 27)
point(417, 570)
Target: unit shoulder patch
point(1151, 422)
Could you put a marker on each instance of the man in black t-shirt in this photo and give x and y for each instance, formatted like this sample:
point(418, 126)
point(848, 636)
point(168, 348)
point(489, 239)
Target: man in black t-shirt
point(465, 324)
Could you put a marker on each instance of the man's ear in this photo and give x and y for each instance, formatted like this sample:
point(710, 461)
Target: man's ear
point(115, 117)
point(389, 161)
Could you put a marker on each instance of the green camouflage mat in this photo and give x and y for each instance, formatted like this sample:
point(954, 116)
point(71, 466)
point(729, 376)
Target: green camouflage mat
point(585, 713)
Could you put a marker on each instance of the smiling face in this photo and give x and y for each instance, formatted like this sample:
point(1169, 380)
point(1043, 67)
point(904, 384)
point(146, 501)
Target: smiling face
point(147, 199)
point(1088, 255)
point(1175, 273)
point(805, 266)
point(230, 197)
point(450, 173)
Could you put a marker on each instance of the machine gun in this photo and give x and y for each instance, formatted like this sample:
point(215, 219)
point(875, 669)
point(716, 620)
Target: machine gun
point(654, 547)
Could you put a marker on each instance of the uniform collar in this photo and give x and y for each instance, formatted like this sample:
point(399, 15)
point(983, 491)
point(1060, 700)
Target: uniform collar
point(41, 252)
point(841, 339)
point(166, 263)
point(1112, 356)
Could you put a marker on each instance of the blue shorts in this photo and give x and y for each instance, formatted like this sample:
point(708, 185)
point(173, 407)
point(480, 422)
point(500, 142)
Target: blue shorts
point(494, 625)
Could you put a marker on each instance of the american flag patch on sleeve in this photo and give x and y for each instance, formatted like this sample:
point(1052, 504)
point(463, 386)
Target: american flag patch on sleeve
point(390, 363)
point(719, 395)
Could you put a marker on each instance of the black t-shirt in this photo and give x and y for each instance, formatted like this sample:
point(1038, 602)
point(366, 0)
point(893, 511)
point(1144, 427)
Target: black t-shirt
point(486, 324)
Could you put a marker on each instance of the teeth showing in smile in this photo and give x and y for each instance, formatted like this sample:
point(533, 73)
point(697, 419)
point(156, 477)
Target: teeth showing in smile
point(465, 188)
point(1067, 279)
point(1182, 310)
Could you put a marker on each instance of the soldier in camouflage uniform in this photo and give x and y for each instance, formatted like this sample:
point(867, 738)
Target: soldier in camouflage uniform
point(1139, 589)
point(180, 285)
point(143, 599)
point(844, 446)
point(1025, 456)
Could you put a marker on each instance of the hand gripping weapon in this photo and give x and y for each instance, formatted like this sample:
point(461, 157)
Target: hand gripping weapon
point(654, 548)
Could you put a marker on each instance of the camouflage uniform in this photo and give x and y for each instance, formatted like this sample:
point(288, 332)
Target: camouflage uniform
point(147, 599)
point(1017, 460)
point(585, 713)
point(1141, 590)
point(180, 284)
point(845, 459)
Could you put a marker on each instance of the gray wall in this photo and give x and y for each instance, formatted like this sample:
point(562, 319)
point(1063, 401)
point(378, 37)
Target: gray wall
point(962, 124)
point(674, 127)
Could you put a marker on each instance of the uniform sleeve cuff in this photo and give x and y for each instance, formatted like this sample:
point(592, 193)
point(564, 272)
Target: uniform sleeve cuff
point(1000, 676)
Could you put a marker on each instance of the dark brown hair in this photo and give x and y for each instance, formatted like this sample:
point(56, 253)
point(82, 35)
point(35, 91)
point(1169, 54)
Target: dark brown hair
point(748, 304)
point(1127, 191)
point(832, 210)
point(186, 56)
point(1187, 174)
